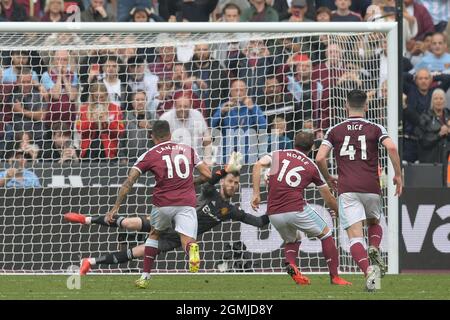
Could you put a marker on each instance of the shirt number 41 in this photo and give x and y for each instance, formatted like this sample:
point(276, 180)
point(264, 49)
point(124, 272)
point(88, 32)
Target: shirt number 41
point(349, 149)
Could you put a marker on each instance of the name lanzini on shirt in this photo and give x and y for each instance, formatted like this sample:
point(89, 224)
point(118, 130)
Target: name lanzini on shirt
point(171, 147)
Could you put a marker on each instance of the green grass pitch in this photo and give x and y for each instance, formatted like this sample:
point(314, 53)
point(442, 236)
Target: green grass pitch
point(239, 287)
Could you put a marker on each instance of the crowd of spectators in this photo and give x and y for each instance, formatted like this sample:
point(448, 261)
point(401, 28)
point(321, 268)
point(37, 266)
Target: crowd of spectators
point(99, 104)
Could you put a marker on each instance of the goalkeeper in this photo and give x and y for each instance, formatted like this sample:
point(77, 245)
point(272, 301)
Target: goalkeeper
point(213, 207)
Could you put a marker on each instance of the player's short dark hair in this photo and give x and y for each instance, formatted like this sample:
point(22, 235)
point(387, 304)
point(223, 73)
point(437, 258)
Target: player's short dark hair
point(356, 99)
point(304, 141)
point(161, 129)
point(231, 5)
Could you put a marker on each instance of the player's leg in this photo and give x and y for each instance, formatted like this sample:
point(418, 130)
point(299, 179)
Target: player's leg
point(130, 224)
point(352, 214)
point(160, 219)
point(359, 254)
point(290, 235)
point(331, 256)
point(310, 222)
point(167, 242)
point(372, 206)
point(186, 225)
point(117, 257)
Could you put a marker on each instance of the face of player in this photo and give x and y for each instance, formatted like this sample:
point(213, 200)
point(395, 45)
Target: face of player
point(438, 45)
point(438, 102)
point(229, 185)
point(231, 15)
point(343, 4)
point(140, 16)
point(182, 108)
point(423, 80)
point(202, 52)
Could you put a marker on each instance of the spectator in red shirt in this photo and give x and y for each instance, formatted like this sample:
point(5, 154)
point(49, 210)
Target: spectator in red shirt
point(100, 125)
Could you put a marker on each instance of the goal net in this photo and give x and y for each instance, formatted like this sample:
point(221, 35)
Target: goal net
point(77, 110)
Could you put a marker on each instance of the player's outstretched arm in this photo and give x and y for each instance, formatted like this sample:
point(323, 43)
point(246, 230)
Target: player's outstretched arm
point(329, 198)
point(321, 161)
point(247, 218)
point(395, 159)
point(133, 175)
point(264, 162)
point(234, 165)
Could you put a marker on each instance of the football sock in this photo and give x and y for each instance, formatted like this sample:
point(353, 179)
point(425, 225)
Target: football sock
point(115, 257)
point(359, 254)
point(100, 220)
point(330, 253)
point(375, 234)
point(150, 253)
point(291, 252)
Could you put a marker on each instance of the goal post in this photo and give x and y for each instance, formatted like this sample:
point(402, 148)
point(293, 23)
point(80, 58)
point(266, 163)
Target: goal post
point(33, 237)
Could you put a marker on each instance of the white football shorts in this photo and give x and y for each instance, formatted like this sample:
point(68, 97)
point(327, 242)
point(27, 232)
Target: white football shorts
point(184, 218)
point(355, 207)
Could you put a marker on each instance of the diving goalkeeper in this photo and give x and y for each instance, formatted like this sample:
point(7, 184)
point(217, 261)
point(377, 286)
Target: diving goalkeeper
point(213, 207)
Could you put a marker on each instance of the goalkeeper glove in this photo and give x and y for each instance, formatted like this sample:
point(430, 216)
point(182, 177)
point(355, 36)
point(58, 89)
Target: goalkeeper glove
point(234, 164)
